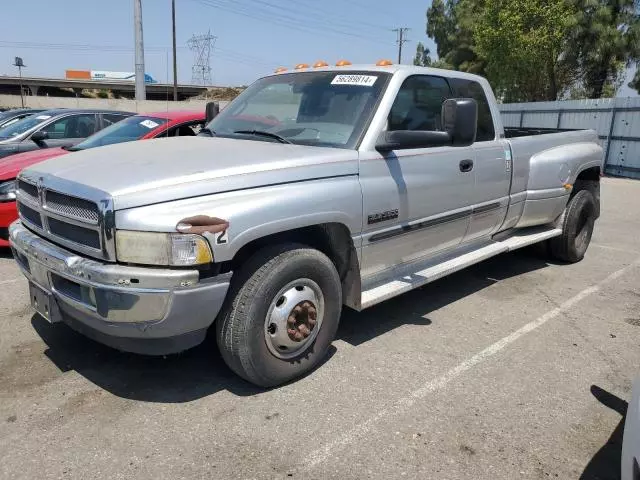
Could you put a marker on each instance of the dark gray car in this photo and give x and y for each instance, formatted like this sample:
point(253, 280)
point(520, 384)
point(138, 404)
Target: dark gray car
point(11, 116)
point(55, 128)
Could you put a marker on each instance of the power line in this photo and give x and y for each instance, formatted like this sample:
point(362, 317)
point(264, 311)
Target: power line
point(328, 17)
point(231, 55)
point(368, 8)
point(292, 23)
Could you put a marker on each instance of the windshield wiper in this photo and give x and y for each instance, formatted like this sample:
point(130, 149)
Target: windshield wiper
point(260, 133)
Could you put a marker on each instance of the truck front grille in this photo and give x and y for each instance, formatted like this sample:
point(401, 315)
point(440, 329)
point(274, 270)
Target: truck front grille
point(71, 206)
point(30, 215)
point(74, 233)
point(71, 221)
point(28, 189)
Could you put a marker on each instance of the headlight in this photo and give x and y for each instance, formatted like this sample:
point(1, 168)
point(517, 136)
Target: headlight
point(151, 248)
point(8, 191)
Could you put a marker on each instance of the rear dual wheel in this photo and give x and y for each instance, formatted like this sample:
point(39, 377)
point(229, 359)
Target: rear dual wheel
point(577, 228)
point(282, 314)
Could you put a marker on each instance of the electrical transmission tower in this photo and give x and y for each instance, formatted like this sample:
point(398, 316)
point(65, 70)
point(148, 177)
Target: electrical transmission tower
point(201, 46)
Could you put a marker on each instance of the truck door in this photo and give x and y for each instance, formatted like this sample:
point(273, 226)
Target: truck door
point(492, 166)
point(416, 201)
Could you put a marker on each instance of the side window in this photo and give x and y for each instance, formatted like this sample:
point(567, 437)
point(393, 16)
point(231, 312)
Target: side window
point(190, 129)
point(418, 105)
point(471, 89)
point(111, 118)
point(73, 126)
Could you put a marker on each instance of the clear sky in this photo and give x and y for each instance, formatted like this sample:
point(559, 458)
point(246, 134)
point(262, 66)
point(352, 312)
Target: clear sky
point(253, 36)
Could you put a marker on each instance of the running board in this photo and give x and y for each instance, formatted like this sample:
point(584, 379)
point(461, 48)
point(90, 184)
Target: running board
point(421, 273)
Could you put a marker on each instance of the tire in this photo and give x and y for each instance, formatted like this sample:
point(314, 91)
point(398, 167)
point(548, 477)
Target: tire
point(251, 347)
point(577, 228)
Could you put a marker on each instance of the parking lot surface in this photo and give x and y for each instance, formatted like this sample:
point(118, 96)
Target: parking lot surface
point(514, 368)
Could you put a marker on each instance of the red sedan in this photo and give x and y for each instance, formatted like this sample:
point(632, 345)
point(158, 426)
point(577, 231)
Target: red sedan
point(137, 127)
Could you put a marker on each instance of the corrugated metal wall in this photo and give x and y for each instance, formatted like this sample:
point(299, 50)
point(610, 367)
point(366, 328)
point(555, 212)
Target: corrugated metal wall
point(617, 121)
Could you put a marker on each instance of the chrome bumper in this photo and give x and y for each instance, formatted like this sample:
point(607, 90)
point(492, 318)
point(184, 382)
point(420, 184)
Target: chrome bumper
point(118, 300)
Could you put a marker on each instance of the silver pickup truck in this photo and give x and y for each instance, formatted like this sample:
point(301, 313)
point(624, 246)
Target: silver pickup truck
point(313, 189)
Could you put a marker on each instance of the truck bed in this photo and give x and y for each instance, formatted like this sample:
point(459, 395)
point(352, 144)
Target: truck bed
point(543, 160)
point(513, 132)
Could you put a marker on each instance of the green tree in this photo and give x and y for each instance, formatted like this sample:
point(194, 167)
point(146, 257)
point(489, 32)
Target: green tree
point(522, 43)
point(450, 25)
point(423, 56)
point(605, 36)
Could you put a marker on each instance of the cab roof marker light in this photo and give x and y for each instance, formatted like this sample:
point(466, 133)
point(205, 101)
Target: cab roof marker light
point(320, 64)
point(302, 66)
point(281, 69)
point(343, 63)
point(384, 63)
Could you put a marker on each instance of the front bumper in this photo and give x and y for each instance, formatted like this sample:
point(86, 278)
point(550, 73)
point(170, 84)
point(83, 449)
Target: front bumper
point(154, 311)
point(8, 215)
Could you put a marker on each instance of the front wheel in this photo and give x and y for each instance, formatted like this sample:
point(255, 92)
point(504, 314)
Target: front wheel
point(577, 228)
point(282, 315)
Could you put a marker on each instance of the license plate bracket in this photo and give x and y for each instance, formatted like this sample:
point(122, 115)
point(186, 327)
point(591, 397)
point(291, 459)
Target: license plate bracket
point(44, 303)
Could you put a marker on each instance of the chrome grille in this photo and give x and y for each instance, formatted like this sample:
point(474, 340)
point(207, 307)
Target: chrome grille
point(28, 189)
point(30, 215)
point(71, 206)
point(74, 233)
point(77, 223)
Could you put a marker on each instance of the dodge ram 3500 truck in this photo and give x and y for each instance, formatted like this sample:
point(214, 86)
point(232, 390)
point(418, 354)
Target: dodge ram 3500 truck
point(313, 189)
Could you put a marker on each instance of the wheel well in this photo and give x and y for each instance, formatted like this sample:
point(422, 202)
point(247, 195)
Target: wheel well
point(589, 179)
point(332, 239)
point(590, 174)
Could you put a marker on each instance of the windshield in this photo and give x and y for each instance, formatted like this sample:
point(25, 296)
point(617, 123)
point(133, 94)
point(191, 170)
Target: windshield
point(328, 109)
point(27, 123)
point(127, 130)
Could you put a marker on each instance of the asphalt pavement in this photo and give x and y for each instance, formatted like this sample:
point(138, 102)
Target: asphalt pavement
point(514, 368)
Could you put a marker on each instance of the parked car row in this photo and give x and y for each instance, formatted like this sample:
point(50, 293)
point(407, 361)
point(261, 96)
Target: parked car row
point(30, 137)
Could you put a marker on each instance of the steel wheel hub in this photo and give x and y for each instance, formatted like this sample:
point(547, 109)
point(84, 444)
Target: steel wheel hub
point(294, 318)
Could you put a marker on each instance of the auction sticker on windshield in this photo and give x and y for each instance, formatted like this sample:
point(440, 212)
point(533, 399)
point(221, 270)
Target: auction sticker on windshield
point(359, 80)
point(149, 124)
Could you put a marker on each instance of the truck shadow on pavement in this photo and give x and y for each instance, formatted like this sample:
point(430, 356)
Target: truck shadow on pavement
point(201, 371)
point(605, 464)
point(184, 377)
point(413, 307)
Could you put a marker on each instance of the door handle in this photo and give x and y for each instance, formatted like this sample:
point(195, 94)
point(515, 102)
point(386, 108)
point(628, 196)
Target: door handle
point(466, 165)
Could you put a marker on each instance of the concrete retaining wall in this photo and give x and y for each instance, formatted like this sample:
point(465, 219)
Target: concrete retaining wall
point(110, 104)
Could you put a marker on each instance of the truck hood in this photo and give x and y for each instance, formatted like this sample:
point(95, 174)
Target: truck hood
point(141, 173)
point(11, 166)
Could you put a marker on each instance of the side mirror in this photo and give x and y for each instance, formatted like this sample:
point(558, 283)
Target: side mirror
point(39, 137)
point(211, 111)
point(460, 120)
point(402, 139)
point(459, 124)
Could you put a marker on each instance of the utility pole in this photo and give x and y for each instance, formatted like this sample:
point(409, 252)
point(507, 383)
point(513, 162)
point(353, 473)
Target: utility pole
point(175, 62)
point(137, 20)
point(402, 39)
point(19, 63)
